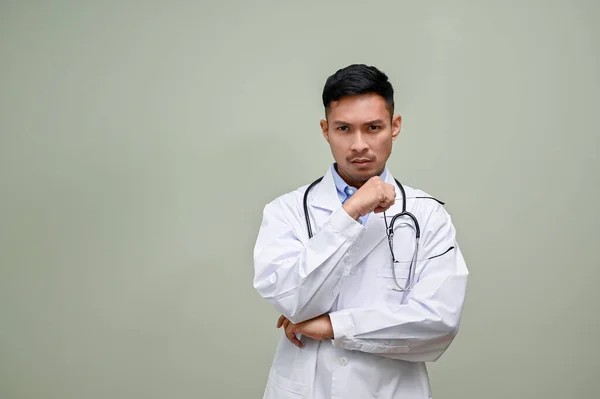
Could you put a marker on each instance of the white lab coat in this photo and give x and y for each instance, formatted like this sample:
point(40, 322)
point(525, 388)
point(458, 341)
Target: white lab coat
point(382, 337)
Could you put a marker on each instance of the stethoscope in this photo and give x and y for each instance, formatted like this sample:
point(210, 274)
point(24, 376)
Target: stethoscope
point(389, 232)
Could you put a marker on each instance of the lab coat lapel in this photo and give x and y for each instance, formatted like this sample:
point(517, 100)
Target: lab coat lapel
point(323, 200)
point(324, 195)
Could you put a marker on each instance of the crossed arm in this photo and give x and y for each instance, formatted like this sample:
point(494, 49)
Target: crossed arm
point(319, 328)
point(302, 281)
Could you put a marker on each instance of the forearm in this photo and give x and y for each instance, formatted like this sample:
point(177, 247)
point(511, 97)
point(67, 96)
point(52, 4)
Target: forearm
point(302, 282)
point(419, 330)
point(424, 340)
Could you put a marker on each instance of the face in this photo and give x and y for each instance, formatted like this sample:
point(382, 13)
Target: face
point(360, 132)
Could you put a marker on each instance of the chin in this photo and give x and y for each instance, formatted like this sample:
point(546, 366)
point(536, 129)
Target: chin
point(359, 173)
point(367, 173)
point(363, 174)
point(365, 170)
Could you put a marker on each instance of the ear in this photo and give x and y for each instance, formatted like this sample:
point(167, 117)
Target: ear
point(396, 125)
point(325, 129)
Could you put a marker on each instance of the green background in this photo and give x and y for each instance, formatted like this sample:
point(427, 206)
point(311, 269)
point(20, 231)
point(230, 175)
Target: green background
point(139, 142)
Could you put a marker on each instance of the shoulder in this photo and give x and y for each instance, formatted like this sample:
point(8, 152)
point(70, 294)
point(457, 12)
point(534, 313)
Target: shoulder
point(428, 206)
point(288, 201)
point(285, 213)
point(416, 197)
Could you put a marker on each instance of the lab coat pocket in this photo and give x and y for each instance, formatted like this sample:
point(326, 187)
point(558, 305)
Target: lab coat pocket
point(388, 287)
point(401, 270)
point(279, 387)
point(404, 245)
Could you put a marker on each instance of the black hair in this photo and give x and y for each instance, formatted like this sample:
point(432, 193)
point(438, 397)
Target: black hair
point(357, 79)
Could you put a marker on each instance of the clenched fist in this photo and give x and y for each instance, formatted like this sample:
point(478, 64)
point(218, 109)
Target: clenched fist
point(374, 196)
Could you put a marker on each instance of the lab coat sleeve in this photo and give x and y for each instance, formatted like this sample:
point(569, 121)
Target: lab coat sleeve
point(302, 278)
point(421, 327)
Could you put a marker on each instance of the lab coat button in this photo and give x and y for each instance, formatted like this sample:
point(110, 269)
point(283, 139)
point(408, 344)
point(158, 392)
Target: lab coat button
point(343, 361)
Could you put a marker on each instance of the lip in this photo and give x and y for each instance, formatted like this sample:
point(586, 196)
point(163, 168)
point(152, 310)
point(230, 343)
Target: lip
point(361, 161)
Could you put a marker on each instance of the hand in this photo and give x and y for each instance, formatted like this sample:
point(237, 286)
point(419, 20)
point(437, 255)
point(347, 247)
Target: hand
point(319, 328)
point(374, 196)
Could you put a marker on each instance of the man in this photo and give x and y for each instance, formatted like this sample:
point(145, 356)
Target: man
point(362, 309)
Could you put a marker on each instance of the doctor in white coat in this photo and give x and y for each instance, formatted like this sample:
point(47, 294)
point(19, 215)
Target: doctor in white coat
point(357, 321)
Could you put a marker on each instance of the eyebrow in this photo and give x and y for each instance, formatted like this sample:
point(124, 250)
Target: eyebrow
point(344, 123)
point(375, 122)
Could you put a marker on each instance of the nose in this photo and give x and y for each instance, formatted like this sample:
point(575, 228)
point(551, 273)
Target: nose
point(359, 144)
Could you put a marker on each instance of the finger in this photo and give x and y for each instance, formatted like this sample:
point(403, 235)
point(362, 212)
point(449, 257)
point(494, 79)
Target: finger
point(382, 207)
point(288, 328)
point(291, 335)
point(387, 202)
point(391, 192)
point(280, 321)
point(386, 197)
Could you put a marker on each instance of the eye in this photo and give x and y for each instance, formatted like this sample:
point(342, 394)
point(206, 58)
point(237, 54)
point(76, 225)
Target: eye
point(342, 128)
point(374, 128)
